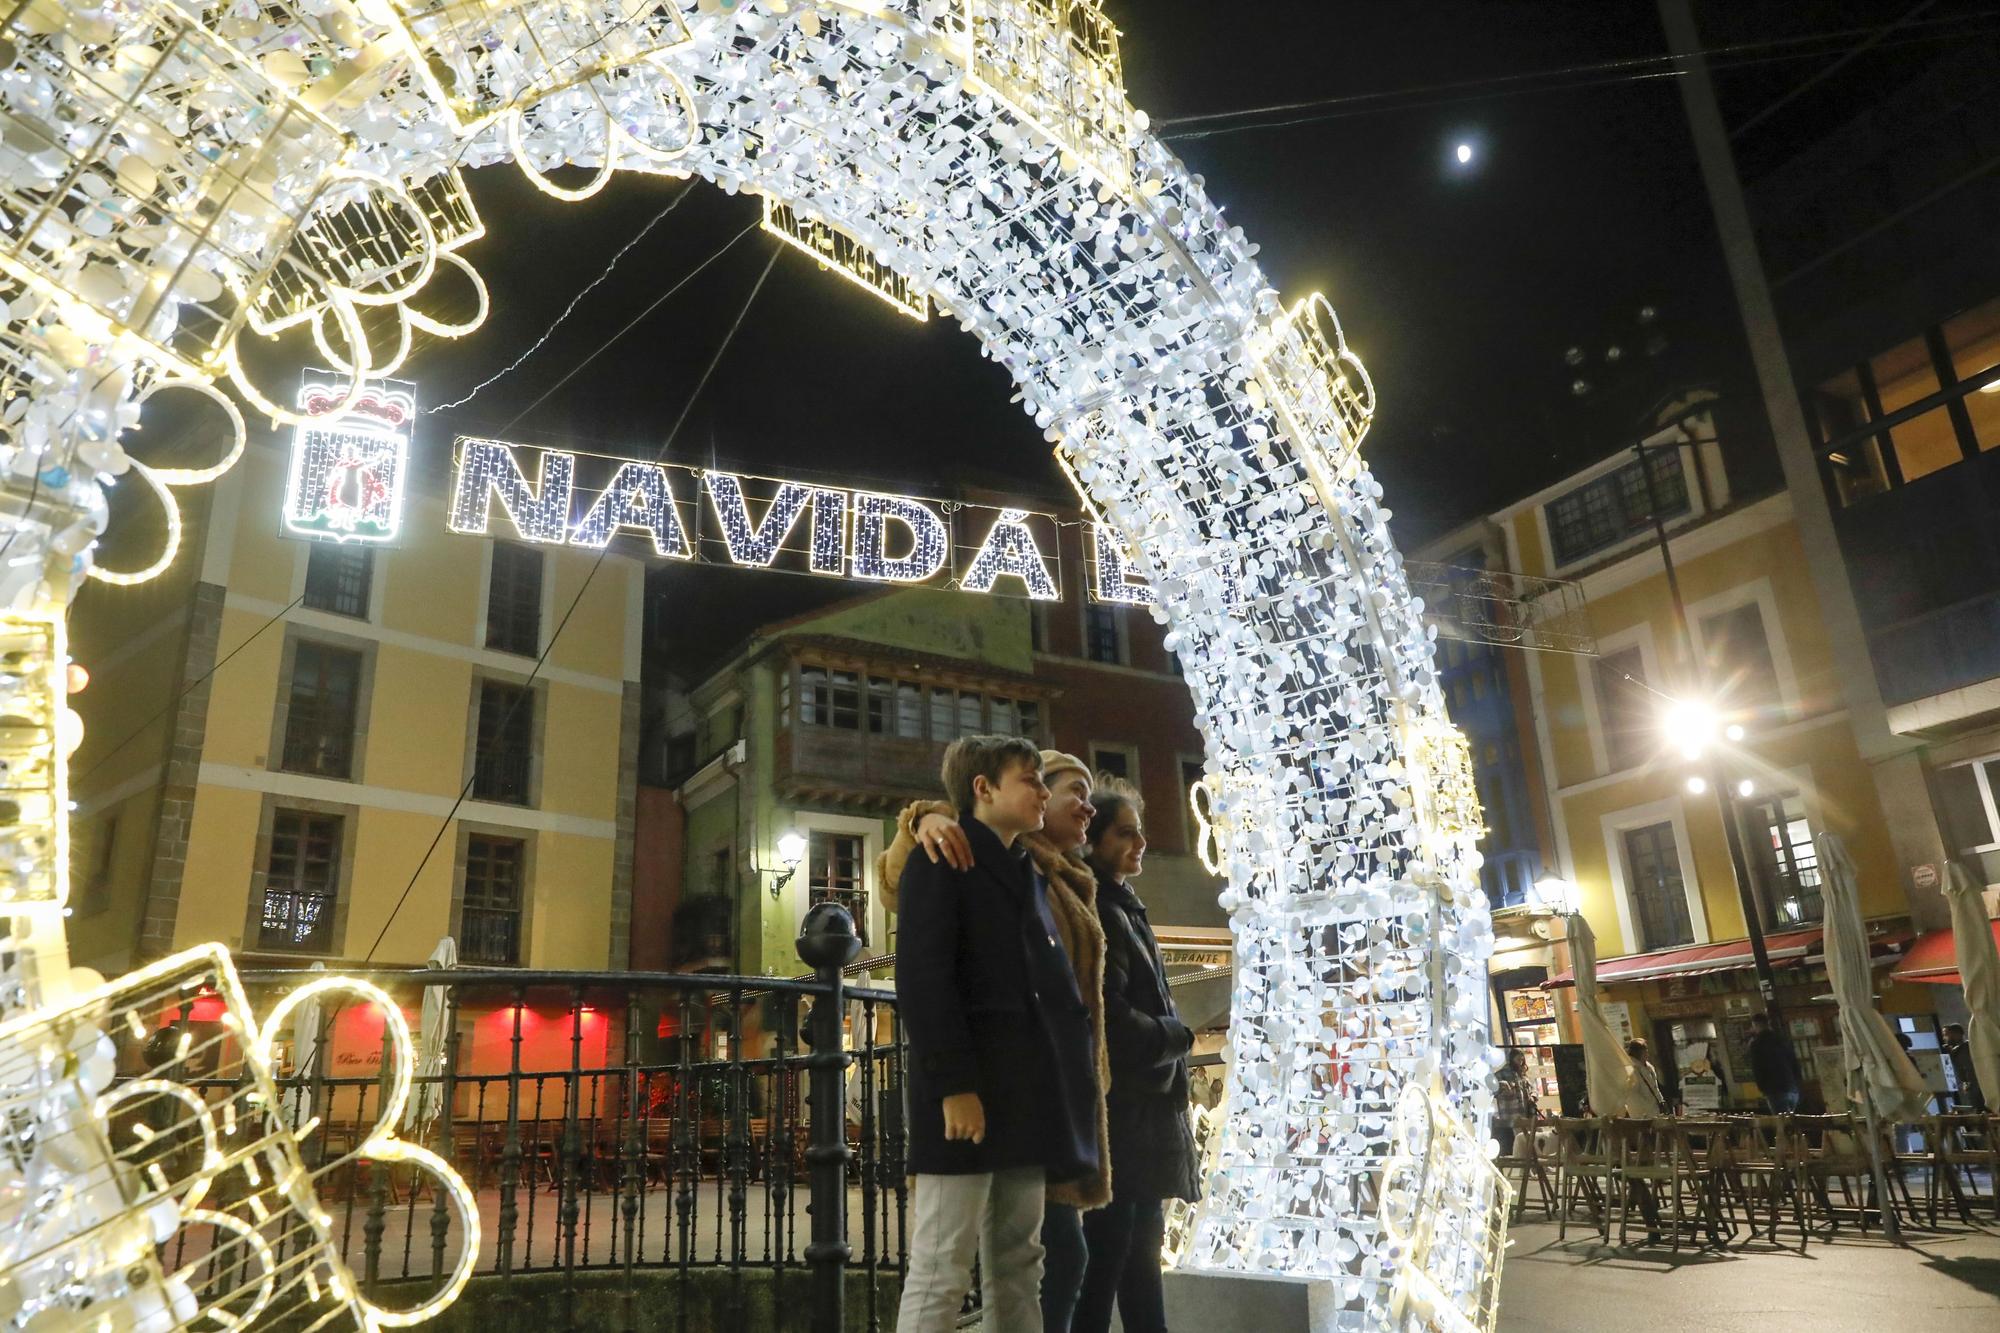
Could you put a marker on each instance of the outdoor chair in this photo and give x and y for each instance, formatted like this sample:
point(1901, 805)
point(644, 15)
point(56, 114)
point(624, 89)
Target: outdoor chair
point(1525, 1164)
point(1586, 1172)
point(1968, 1150)
point(1833, 1149)
point(1751, 1172)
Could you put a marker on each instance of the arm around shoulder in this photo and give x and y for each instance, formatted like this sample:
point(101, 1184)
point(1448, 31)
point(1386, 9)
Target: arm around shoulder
point(889, 865)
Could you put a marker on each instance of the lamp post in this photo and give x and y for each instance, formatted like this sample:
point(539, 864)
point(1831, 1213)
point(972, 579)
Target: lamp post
point(791, 851)
point(1698, 733)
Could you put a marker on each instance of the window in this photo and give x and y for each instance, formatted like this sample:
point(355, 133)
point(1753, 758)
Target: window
point(719, 880)
point(881, 705)
point(1120, 761)
point(1030, 714)
point(1787, 863)
point(1653, 878)
point(1038, 630)
point(944, 715)
point(1606, 510)
point(1973, 341)
point(909, 710)
point(829, 698)
point(490, 929)
point(1625, 708)
point(337, 578)
point(514, 600)
point(301, 882)
point(1006, 718)
point(1103, 632)
point(1965, 800)
point(504, 742)
point(834, 875)
point(971, 714)
point(320, 717)
point(1740, 667)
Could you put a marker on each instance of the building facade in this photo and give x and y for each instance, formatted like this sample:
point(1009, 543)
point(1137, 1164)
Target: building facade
point(313, 749)
point(1638, 824)
point(812, 736)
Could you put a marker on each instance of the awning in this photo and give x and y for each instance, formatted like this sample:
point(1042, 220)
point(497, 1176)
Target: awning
point(1696, 959)
point(1933, 958)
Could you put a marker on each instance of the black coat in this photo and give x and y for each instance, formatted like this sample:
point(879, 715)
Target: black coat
point(1773, 1063)
point(1152, 1141)
point(990, 1005)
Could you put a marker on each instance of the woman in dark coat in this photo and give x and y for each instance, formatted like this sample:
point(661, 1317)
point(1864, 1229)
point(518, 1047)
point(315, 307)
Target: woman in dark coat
point(1152, 1140)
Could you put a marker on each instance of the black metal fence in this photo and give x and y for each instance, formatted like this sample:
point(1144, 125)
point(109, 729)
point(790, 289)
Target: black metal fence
point(614, 1123)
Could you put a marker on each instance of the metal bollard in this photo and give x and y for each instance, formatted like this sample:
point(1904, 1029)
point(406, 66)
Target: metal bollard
point(827, 943)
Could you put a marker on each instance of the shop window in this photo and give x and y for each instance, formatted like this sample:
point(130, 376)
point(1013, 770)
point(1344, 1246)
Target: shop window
point(514, 600)
point(503, 742)
point(1740, 666)
point(301, 882)
point(338, 578)
point(1653, 878)
point(1624, 707)
point(490, 925)
point(834, 875)
point(320, 718)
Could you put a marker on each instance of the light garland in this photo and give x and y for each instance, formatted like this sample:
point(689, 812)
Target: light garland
point(982, 155)
point(637, 497)
point(1111, 579)
point(756, 544)
point(349, 468)
point(929, 541)
point(1009, 551)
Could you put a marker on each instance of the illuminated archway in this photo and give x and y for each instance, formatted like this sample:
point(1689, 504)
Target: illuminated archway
point(979, 157)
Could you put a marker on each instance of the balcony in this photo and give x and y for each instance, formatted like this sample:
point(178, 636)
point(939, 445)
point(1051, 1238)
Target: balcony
point(855, 767)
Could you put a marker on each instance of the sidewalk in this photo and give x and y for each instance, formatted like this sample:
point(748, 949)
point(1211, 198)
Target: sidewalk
point(1945, 1282)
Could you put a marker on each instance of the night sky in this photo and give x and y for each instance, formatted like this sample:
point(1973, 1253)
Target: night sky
point(1460, 287)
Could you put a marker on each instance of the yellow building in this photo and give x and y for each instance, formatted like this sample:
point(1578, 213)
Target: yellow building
point(1638, 825)
point(279, 732)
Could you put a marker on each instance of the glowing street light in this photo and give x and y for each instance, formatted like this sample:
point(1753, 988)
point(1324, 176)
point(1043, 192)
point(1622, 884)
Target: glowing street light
point(1746, 789)
point(1553, 893)
point(1696, 785)
point(1690, 726)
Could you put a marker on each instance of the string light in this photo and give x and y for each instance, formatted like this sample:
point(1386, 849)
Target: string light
point(636, 498)
point(1217, 432)
point(1112, 581)
point(757, 544)
point(929, 542)
point(348, 471)
point(1010, 551)
point(487, 468)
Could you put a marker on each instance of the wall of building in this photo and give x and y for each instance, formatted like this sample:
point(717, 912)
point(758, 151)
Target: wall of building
point(423, 645)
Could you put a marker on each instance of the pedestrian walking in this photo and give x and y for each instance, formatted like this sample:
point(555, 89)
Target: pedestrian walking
point(1513, 1099)
point(1775, 1066)
point(1958, 1054)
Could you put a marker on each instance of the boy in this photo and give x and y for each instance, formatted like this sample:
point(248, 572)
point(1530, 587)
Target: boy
point(1002, 1079)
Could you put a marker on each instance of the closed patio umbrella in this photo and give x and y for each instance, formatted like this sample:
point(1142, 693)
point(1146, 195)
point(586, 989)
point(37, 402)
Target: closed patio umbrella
point(1880, 1075)
point(427, 1099)
point(1615, 1087)
point(307, 1056)
point(1978, 973)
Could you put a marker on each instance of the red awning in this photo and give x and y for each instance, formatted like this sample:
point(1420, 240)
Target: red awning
point(1933, 958)
point(1695, 959)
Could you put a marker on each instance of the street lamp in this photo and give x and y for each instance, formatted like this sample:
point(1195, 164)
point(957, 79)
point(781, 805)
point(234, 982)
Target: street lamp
point(791, 852)
point(1555, 894)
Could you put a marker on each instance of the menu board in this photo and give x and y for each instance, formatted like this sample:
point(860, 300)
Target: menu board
point(1530, 1006)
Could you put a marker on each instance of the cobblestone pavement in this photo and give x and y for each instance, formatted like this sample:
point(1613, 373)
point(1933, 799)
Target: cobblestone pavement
point(1940, 1282)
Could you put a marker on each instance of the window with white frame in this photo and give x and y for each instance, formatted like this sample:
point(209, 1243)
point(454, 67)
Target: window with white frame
point(1625, 707)
point(1655, 886)
point(1741, 669)
point(835, 873)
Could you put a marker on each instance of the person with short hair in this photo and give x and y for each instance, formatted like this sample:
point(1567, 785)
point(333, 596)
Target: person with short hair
point(932, 827)
point(1958, 1054)
point(1775, 1066)
point(1002, 1067)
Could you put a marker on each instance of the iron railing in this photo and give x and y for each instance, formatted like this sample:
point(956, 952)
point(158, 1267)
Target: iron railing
point(612, 1124)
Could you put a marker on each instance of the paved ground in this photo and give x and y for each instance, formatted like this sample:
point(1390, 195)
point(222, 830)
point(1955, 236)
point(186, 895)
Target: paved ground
point(1939, 1283)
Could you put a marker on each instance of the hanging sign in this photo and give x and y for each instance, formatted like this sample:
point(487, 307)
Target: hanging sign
point(348, 470)
point(672, 512)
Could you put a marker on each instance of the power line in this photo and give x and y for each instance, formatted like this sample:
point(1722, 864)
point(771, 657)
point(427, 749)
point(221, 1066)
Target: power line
point(1558, 79)
point(728, 338)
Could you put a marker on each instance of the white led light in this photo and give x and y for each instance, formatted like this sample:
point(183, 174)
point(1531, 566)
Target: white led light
point(348, 469)
point(1010, 551)
point(638, 497)
point(487, 468)
point(1112, 581)
point(755, 544)
point(929, 542)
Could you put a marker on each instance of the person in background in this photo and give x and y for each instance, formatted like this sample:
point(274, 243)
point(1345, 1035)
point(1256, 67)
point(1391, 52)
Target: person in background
point(1058, 853)
point(1002, 1078)
point(1513, 1099)
point(1151, 1137)
point(1958, 1054)
point(1638, 1190)
point(1774, 1065)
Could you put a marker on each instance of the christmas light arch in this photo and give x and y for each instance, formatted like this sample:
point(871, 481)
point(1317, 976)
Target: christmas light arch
point(976, 156)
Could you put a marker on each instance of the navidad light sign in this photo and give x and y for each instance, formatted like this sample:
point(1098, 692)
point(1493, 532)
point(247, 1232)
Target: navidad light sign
point(559, 497)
